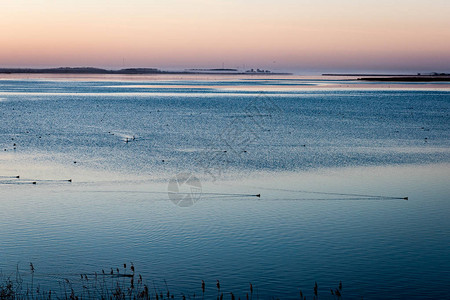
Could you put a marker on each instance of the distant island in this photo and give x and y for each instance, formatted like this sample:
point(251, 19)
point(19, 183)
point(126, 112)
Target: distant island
point(134, 71)
point(417, 78)
point(425, 77)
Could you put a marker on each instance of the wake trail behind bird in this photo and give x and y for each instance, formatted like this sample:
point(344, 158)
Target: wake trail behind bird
point(330, 193)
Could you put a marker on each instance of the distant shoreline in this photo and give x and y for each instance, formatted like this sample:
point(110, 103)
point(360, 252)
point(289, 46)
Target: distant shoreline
point(422, 78)
point(131, 71)
point(364, 74)
point(398, 77)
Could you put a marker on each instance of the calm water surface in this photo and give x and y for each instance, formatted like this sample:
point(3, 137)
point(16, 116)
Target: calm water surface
point(307, 145)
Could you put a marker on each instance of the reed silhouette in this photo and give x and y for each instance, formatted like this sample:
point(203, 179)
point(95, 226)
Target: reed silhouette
point(118, 284)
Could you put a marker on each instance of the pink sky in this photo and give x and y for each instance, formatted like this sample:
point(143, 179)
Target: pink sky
point(295, 35)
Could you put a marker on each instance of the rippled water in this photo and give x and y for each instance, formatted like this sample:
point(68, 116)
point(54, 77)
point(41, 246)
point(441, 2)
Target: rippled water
point(292, 140)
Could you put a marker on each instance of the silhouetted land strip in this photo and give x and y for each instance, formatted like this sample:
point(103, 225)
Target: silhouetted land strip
point(424, 78)
point(397, 77)
point(364, 74)
point(129, 71)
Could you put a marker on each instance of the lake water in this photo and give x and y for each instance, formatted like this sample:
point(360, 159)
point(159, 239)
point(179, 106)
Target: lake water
point(332, 160)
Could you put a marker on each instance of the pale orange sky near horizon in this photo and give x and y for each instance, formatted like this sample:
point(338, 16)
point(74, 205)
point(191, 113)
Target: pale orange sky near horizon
point(299, 35)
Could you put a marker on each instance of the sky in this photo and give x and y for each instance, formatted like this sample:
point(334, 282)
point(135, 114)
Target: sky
point(291, 35)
